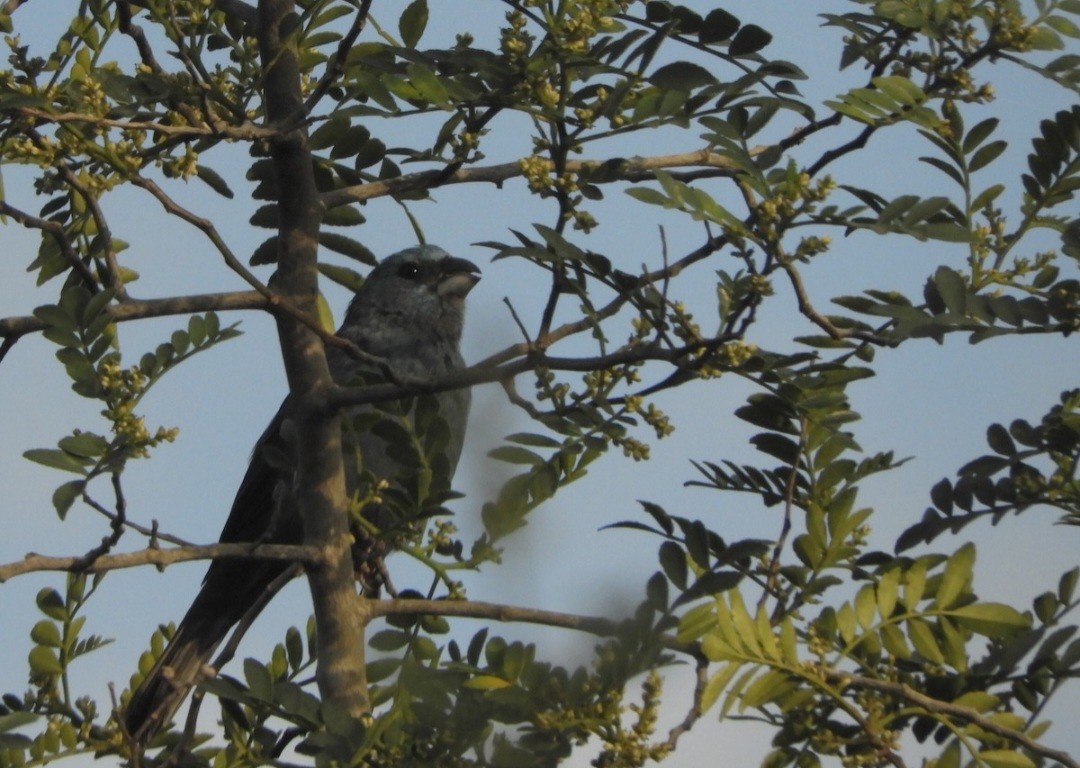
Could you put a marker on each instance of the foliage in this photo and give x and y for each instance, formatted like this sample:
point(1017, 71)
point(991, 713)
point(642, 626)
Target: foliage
point(842, 648)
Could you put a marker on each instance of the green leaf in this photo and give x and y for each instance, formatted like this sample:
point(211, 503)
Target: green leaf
point(888, 592)
point(265, 253)
point(893, 640)
point(673, 562)
point(294, 647)
point(952, 288)
point(922, 637)
point(1067, 585)
point(986, 155)
point(865, 606)
point(981, 701)
point(13, 720)
point(682, 76)
point(901, 90)
point(84, 445)
point(43, 661)
point(744, 624)
point(957, 576)
point(991, 619)
point(486, 683)
point(259, 680)
point(346, 246)
point(717, 683)
point(413, 22)
point(55, 459)
point(343, 216)
point(329, 133)
point(428, 85)
point(51, 604)
point(388, 640)
point(537, 441)
point(351, 142)
point(768, 687)
point(1005, 758)
point(46, 633)
point(999, 440)
point(514, 454)
point(343, 276)
point(325, 314)
point(65, 495)
point(267, 217)
point(749, 39)
point(719, 25)
point(212, 179)
point(55, 317)
point(1064, 25)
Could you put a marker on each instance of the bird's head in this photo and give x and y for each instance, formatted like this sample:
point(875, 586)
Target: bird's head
point(418, 291)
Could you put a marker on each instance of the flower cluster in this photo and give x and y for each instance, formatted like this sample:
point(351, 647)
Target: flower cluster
point(121, 390)
point(632, 748)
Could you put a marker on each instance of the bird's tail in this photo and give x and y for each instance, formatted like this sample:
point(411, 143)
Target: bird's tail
point(181, 666)
point(230, 590)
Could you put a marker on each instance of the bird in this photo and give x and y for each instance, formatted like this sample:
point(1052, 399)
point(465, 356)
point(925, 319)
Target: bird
point(409, 314)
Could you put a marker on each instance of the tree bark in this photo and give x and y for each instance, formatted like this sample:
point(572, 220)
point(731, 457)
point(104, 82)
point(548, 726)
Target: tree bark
point(319, 486)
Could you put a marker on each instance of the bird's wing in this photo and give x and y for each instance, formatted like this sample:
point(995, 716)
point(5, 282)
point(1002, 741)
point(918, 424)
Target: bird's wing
point(254, 508)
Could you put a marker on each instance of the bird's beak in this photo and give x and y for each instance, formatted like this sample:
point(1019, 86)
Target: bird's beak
point(457, 277)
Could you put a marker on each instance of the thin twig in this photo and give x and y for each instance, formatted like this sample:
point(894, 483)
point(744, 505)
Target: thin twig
point(56, 230)
point(275, 301)
point(118, 520)
point(701, 677)
point(959, 711)
point(112, 276)
point(228, 651)
point(806, 307)
point(135, 32)
point(773, 570)
point(335, 68)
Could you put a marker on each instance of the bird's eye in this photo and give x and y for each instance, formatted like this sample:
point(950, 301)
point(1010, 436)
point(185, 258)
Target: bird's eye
point(409, 271)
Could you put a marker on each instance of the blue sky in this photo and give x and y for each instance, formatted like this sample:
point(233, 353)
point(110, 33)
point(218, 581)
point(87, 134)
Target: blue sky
point(928, 401)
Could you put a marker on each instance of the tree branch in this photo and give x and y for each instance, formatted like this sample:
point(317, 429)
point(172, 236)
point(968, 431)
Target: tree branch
point(474, 609)
point(16, 327)
point(636, 169)
point(701, 679)
point(56, 230)
point(320, 491)
point(34, 562)
point(335, 68)
point(246, 131)
point(958, 711)
point(340, 397)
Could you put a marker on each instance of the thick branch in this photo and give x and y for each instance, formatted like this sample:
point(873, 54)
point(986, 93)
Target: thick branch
point(341, 397)
point(320, 474)
point(247, 131)
point(15, 327)
point(635, 169)
point(34, 562)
